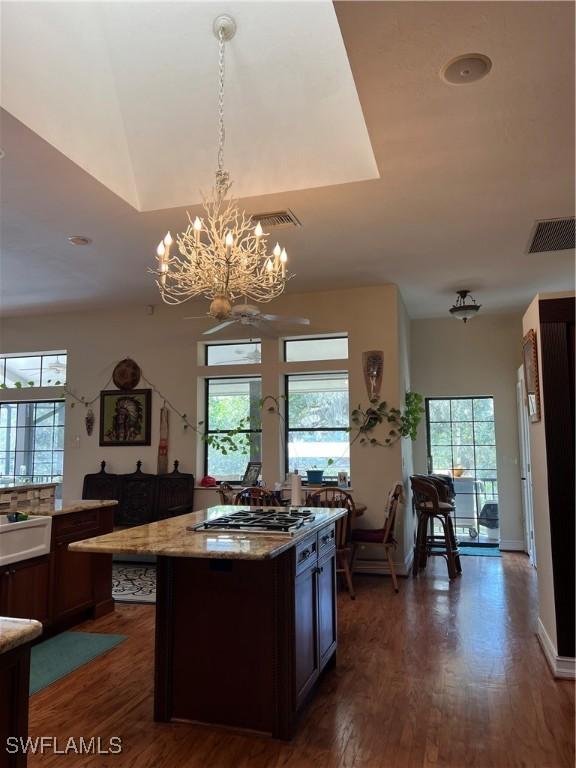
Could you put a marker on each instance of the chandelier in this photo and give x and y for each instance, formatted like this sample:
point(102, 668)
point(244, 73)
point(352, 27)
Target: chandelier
point(465, 307)
point(222, 255)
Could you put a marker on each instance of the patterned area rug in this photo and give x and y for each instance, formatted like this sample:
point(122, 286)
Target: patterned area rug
point(133, 583)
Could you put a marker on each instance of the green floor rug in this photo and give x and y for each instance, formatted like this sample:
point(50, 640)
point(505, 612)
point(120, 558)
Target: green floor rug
point(480, 551)
point(62, 654)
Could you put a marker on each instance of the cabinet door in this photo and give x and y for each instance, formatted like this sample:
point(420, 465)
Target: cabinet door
point(72, 581)
point(326, 608)
point(5, 590)
point(28, 589)
point(306, 632)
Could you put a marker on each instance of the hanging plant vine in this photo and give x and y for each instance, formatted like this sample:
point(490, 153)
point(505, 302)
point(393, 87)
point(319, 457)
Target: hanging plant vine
point(400, 424)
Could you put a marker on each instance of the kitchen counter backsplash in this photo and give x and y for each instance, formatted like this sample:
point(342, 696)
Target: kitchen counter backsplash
point(27, 498)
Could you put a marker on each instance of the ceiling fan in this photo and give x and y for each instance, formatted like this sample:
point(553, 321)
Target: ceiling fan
point(248, 315)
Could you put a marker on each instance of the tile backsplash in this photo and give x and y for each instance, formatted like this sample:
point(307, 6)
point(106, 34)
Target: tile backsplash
point(27, 498)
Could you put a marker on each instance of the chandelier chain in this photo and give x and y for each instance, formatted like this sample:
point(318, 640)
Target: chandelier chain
point(221, 129)
point(222, 254)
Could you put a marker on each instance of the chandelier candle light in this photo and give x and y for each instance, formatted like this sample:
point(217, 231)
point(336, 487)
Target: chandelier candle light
point(222, 255)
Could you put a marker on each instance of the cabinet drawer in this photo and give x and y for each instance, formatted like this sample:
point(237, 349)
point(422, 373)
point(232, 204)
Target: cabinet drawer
point(326, 539)
point(76, 525)
point(306, 553)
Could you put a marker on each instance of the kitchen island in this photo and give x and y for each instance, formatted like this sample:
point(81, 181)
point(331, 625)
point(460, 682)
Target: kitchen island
point(16, 635)
point(245, 621)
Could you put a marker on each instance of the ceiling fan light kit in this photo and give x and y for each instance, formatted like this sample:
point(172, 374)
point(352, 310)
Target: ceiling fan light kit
point(223, 255)
point(465, 307)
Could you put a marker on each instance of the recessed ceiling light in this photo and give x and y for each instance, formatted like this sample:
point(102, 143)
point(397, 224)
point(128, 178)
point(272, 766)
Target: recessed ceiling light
point(466, 69)
point(79, 240)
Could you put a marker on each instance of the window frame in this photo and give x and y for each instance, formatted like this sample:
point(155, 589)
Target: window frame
point(207, 430)
point(32, 427)
point(208, 344)
point(18, 355)
point(287, 340)
point(287, 429)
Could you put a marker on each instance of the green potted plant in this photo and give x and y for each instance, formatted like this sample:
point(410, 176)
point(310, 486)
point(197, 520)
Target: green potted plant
point(315, 475)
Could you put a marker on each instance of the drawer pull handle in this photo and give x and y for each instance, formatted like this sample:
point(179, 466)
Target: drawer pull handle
point(327, 538)
point(305, 554)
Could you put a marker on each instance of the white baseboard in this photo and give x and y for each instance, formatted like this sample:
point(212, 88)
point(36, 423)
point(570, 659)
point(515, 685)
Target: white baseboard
point(562, 666)
point(381, 568)
point(512, 545)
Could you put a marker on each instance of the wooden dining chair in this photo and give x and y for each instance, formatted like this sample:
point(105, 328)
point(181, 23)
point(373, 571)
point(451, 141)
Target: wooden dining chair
point(383, 536)
point(226, 493)
point(256, 497)
point(335, 498)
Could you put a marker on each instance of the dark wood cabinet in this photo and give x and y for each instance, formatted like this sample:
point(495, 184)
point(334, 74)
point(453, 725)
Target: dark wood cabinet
point(72, 577)
point(306, 653)
point(81, 584)
point(62, 588)
point(314, 617)
point(326, 608)
point(14, 680)
point(24, 589)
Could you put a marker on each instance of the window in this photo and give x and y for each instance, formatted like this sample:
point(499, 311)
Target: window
point(317, 419)
point(31, 442)
point(462, 444)
point(41, 370)
point(228, 401)
point(233, 354)
point(330, 348)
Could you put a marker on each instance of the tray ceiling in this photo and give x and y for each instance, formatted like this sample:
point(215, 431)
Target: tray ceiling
point(128, 92)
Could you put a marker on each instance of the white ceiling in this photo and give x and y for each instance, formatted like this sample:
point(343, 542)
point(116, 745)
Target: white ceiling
point(464, 173)
point(128, 91)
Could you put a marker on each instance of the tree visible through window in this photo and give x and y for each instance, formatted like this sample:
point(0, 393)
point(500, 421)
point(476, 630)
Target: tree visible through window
point(462, 444)
point(317, 419)
point(230, 401)
point(31, 442)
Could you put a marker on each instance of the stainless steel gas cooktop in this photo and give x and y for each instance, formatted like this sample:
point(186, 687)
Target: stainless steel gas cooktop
point(288, 521)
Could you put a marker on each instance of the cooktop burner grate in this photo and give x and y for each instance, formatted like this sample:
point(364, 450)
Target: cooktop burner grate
point(259, 521)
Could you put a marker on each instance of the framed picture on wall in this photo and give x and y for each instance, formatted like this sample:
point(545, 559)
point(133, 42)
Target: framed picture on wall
point(125, 417)
point(530, 362)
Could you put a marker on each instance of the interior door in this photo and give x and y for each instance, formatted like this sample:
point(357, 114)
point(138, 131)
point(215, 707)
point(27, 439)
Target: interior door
point(525, 468)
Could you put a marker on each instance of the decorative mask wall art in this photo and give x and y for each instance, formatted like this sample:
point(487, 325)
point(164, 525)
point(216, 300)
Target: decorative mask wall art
point(373, 364)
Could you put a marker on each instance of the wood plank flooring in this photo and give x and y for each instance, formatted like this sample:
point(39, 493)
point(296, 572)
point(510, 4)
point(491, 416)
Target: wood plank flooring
point(438, 676)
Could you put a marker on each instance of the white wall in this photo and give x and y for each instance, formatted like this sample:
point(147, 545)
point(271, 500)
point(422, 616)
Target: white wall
point(481, 357)
point(166, 348)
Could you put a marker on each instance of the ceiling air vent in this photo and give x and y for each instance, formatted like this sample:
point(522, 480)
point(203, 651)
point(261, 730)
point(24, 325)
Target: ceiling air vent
point(553, 235)
point(278, 219)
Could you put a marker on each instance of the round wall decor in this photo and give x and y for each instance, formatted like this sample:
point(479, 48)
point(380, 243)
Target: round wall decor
point(127, 374)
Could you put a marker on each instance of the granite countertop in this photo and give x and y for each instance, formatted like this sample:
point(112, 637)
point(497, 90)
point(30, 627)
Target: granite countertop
point(66, 507)
point(172, 538)
point(15, 632)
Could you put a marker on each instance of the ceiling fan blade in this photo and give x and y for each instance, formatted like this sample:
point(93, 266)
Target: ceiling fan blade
point(218, 327)
point(197, 317)
point(286, 319)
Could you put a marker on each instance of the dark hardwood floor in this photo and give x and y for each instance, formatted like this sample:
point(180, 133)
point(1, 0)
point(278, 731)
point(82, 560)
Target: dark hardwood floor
point(437, 676)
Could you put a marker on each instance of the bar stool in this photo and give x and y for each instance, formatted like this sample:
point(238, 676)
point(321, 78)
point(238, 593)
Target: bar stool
point(429, 508)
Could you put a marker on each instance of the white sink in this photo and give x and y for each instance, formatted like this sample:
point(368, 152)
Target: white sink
point(24, 540)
